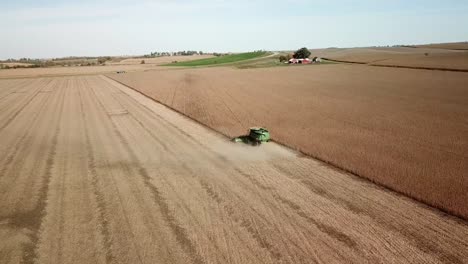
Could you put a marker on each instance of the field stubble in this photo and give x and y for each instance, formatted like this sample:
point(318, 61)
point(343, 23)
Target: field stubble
point(424, 58)
point(405, 129)
point(92, 172)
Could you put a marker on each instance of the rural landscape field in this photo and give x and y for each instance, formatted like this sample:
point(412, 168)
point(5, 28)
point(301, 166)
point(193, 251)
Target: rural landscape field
point(94, 172)
point(409, 134)
point(233, 132)
point(128, 65)
point(452, 56)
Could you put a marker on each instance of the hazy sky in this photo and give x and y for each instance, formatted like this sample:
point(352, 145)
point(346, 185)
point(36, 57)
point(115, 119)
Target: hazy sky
point(55, 28)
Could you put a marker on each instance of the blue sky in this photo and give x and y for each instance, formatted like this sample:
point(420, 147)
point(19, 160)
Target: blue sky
point(56, 28)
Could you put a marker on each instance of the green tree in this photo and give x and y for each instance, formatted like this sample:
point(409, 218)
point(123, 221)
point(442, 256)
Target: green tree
point(302, 53)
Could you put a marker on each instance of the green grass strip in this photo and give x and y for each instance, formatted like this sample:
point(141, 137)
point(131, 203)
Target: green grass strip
point(220, 60)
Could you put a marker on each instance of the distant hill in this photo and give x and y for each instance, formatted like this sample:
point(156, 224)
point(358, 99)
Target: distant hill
point(447, 56)
point(449, 46)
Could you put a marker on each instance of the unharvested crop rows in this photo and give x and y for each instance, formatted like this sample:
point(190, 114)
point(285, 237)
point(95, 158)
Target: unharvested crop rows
point(93, 172)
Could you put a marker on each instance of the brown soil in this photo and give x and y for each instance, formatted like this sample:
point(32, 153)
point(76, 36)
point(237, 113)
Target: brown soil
point(128, 65)
point(68, 71)
point(92, 172)
point(159, 60)
point(405, 129)
point(403, 57)
point(449, 46)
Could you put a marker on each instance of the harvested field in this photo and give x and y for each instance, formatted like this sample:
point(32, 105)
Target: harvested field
point(68, 71)
point(450, 46)
point(93, 172)
point(405, 129)
point(159, 60)
point(401, 57)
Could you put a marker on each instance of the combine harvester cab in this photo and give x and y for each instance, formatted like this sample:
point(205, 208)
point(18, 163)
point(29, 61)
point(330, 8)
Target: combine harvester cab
point(256, 136)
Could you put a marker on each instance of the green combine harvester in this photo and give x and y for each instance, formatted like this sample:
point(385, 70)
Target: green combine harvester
point(256, 136)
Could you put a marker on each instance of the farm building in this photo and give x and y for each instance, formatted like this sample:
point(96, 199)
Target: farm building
point(300, 61)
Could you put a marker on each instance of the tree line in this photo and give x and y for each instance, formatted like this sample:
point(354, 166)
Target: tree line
point(177, 53)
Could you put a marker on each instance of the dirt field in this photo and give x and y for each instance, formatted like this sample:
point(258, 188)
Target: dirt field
point(92, 172)
point(452, 46)
point(434, 58)
point(68, 71)
point(405, 129)
point(159, 60)
point(128, 65)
